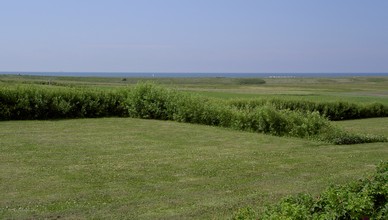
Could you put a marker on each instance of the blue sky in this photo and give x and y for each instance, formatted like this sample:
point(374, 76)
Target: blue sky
point(194, 35)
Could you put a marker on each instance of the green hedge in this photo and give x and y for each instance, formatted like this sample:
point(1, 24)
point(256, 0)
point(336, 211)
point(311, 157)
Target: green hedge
point(32, 102)
point(333, 110)
point(363, 199)
point(155, 102)
point(150, 101)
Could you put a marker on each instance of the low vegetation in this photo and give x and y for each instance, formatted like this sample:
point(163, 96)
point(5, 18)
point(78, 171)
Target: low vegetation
point(363, 199)
point(338, 110)
point(33, 102)
point(151, 101)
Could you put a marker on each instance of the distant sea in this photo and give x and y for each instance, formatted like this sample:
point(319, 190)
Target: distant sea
point(193, 75)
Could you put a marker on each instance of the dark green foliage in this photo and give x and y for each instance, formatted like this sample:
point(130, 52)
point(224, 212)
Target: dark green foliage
point(194, 109)
point(333, 110)
point(155, 102)
point(340, 137)
point(245, 214)
point(148, 101)
point(292, 207)
point(348, 138)
point(267, 119)
point(363, 199)
point(250, 81)
point(24, 103)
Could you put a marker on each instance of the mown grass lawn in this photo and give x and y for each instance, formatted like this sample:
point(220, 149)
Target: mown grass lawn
point(144, 169)
point(377, 126)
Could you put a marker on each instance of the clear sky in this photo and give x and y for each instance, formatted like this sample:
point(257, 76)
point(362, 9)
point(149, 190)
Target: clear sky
point(194, 35)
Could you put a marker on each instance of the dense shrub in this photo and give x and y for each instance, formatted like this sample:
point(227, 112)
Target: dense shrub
point(363, 199)
point(333, 110)
point(245, 213)
point(341, 137)
point(198, 110)
point(267, 119)
point(149, 101)
point(152, 101)
point(23, 103)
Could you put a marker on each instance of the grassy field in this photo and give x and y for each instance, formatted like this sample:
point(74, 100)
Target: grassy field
point(354, 89)
point(373, 126)
point(146, 169)
point(365, 90)
point(125, 168)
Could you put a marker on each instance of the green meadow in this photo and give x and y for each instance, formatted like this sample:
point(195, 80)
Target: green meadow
point(136, 168)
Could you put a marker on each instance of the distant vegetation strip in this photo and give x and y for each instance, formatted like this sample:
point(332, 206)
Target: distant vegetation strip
point(363, 199)
point(151, 101)
point(76, 81)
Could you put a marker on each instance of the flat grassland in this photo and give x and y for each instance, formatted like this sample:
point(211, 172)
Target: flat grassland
point(146, 169)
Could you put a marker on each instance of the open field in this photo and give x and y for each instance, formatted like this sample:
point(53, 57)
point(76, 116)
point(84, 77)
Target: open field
point(354, 89)
point(146, 169)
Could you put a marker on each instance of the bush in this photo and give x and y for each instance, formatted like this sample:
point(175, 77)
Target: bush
point(363, 199)
point(154, 102)
point(27, 103)
point(149, 101)
point(245, 214)
point(337, 136)
point(333, 110)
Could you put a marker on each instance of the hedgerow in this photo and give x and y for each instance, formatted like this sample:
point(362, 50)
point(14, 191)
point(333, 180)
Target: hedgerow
point(151, 101)
point(32, 102)
point(335, 111)
point(362, 199)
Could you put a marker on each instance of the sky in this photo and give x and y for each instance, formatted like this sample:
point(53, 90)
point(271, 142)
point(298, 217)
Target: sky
point(202, 36)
